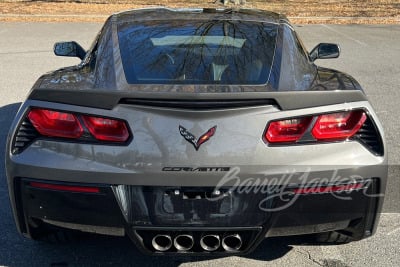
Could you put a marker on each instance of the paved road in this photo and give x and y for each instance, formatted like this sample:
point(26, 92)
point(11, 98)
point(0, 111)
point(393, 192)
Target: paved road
point(370, 53)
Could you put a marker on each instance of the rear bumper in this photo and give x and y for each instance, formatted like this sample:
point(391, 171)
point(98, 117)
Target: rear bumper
point(143, 212)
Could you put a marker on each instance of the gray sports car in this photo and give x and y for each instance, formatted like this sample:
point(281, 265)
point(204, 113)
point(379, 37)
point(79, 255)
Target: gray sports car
point(197, 131)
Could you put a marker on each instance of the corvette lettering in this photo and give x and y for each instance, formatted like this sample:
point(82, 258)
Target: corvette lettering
point(198, 169)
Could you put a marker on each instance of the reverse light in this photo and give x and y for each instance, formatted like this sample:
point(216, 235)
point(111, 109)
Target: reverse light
point(106, 129)
point(55, 123)
point(338, 126)
point(288, 130)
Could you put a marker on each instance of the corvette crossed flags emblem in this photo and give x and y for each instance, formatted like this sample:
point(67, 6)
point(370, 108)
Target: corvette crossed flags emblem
point(193, 140)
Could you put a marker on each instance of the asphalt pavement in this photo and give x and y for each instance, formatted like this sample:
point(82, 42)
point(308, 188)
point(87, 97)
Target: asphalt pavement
point(370, 53)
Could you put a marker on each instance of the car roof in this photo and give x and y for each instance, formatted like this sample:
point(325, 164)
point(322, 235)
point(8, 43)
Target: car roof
point(164, 13)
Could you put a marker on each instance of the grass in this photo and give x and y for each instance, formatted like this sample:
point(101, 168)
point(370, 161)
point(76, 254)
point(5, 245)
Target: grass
point(298, 11)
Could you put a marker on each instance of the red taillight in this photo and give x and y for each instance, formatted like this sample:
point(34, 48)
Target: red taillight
point(289, 130)
point(332, 126)
point(337, 126)
point(67, 125)
point(69, 188)
point(107, 129)
point(55, 123)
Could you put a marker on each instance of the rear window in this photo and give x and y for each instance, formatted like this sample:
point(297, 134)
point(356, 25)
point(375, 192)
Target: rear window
point(197, 52)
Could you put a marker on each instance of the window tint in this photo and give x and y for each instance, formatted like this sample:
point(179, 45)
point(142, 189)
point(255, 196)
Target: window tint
point(296, 72)
point(197, 52)
point(105, 72)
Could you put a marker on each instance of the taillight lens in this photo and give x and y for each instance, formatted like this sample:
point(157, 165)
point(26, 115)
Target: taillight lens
point(67, 125)
point(107, 129)
point(332, 126)
point(55, 123)
point(338, 126)
point(289, 130)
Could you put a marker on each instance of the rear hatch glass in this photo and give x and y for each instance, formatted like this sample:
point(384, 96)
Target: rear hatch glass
point(197, 52)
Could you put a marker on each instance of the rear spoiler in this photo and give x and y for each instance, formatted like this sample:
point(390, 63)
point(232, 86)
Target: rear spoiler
point(284, 100)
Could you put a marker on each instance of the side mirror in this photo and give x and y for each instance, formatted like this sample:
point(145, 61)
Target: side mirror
point(323, 51)
point(69, 49)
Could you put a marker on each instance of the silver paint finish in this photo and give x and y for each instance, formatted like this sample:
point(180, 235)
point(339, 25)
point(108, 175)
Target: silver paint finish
point(157, 143)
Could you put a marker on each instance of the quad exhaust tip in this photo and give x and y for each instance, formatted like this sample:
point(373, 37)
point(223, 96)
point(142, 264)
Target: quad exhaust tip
point(161, 242)
point(183, 242)
point(210, 242)
point(232, 243)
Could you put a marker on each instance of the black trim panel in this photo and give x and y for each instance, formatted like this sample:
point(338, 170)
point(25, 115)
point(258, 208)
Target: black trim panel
point(287, 100)
point(199, 104)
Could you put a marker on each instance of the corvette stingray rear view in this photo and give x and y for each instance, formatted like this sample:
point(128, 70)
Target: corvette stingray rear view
point(197, 131)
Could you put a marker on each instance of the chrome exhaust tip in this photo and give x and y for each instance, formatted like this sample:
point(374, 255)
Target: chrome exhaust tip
point(232, 243)
point(210, 242)
point(161, 242)
point(183, 242)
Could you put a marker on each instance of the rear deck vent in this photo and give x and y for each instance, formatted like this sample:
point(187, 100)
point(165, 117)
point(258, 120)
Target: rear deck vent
point(199, 104)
